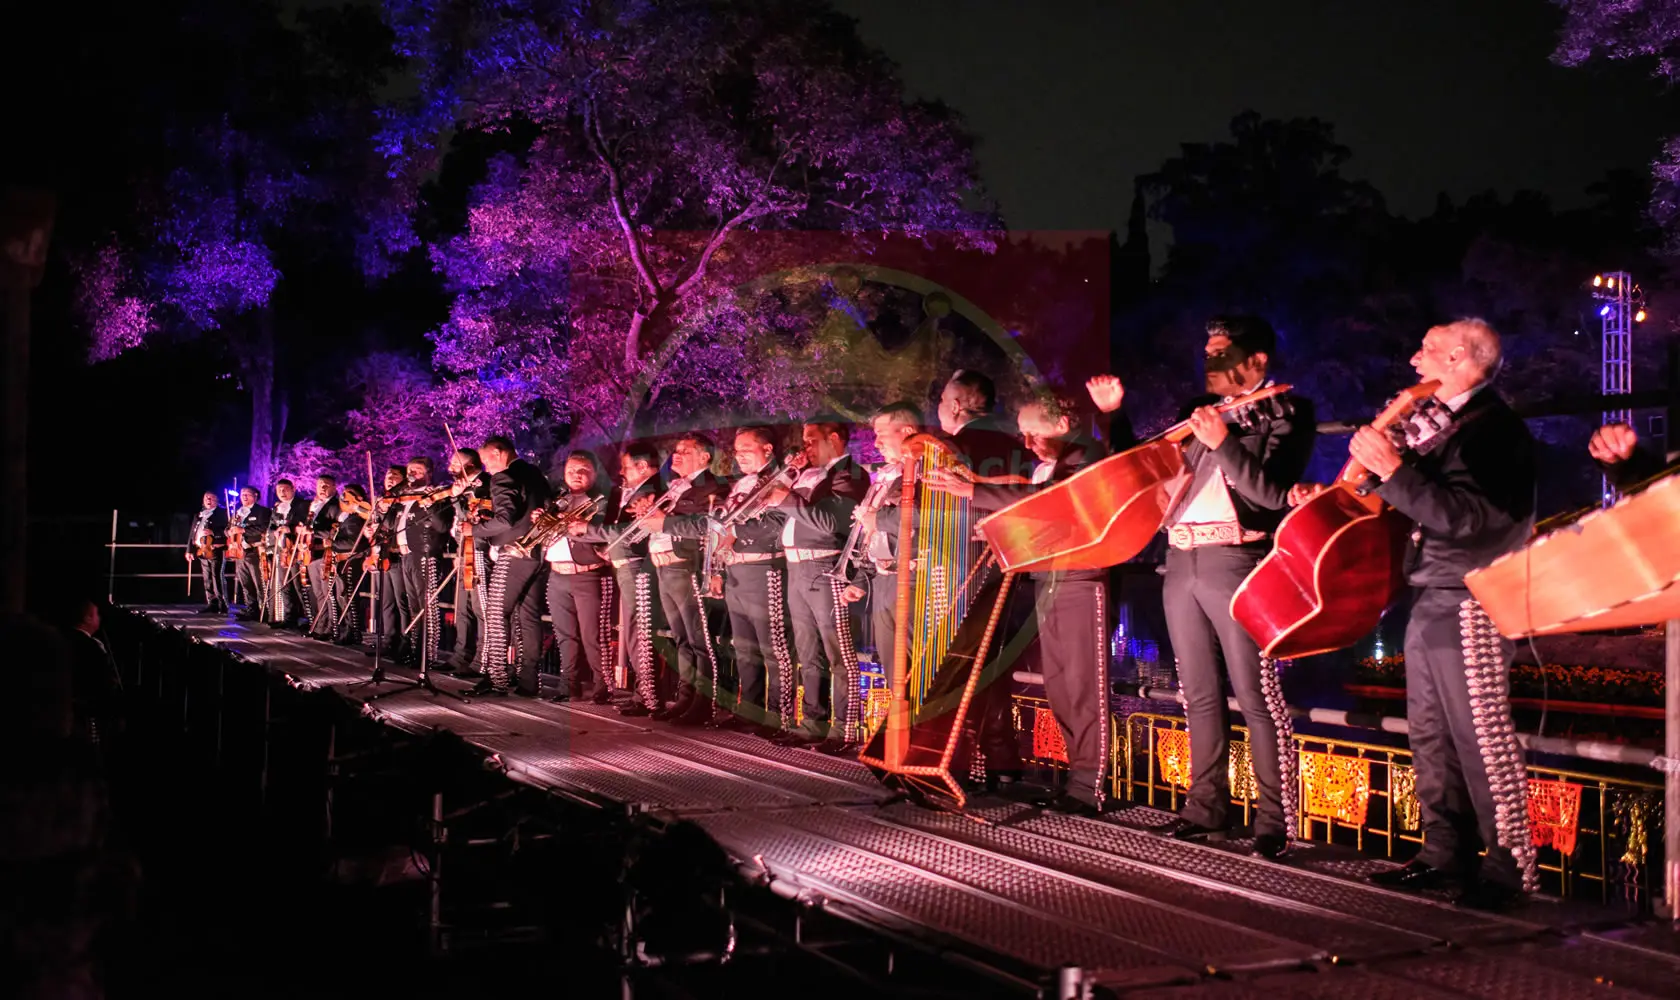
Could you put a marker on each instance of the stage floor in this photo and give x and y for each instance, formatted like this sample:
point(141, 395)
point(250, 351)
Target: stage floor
point(1008, 883)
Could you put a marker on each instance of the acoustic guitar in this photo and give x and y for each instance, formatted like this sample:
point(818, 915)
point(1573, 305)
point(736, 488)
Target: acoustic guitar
point(1337, 562)
point(1105, 513)
point(1601, 568)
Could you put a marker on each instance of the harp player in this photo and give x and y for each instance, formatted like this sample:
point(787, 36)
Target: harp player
point(1070, 605)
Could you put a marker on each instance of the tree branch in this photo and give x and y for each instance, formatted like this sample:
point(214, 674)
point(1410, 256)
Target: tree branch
point(615, 193)
point(696, 271)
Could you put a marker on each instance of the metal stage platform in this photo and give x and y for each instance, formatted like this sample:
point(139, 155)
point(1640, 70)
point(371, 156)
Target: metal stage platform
point(1006, 887)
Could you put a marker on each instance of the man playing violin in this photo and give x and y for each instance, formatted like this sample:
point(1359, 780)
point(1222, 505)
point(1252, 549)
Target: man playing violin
point(471, 499)
point(513, 610)
point(251, 521)
point(315, 534)
point(205, 543)
point(423, 524)
point(748, 569)
point(288, 514)
point(384, 563)
point(1218, 531)
point(580, 589)
point(333, 623)
point(1465, 475)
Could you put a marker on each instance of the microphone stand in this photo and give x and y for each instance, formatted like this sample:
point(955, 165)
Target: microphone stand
point(422, 681)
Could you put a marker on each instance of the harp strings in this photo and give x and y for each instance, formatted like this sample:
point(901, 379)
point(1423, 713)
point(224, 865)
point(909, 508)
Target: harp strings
point(940, 599)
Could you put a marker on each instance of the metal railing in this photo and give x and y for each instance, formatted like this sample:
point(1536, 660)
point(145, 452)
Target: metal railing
point(1609, 849)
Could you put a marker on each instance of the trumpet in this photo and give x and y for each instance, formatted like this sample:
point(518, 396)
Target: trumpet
point(874, 500)
point(638, 530)
point(551, 523)
point(753, 505)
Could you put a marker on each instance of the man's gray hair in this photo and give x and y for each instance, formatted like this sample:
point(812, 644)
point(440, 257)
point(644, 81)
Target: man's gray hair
point(1481, 344)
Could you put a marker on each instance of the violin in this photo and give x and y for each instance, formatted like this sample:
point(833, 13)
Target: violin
point(327, 554)
point(301, 553)
point(416, 494)
point(236, 543)
point(206, 544)
point(475, 506)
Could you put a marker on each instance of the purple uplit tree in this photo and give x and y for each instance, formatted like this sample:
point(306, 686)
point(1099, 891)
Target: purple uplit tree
point(1620, 29)
point(267, 170)
point(653, 133)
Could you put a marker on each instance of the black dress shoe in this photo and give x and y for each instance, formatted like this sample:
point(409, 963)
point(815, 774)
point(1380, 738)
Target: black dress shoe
point(602, 696)
point(559, 697)
point(1493, 897)
point(1270, 845)
point(208, 609)
point(698, 714)
point(836, 748)
point(634, 710)
point(1183, 829)
point(665, 714)
point(1413, 875)
point(798, 739)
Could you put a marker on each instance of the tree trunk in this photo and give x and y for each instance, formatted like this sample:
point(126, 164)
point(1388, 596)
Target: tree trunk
point(259, 377)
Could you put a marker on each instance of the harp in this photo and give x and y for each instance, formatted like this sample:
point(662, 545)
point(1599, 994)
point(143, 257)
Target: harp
point(951, 594)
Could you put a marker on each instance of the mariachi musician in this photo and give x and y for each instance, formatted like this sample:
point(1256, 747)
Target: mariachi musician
point(471, 499)
point(313, 535)
point(580, 588)
point(513, 610)
point(289, 513)
point(877, 517)
point(384, 565)
point(748, 567)
point(423, 523)
point(206, 543)
point(1071, 605)
point(693, 490)
point(1464, 472)
point(819, 509)
point(251, 569)
point(639, 487)
point(1217, 533)
point(990, 448)
point(1616, 448)
point(327, 574)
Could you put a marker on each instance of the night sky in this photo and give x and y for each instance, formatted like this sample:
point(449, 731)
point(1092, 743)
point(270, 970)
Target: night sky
point(1072, 99)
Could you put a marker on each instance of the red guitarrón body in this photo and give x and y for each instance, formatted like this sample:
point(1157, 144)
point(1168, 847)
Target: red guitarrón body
point(1336, 565)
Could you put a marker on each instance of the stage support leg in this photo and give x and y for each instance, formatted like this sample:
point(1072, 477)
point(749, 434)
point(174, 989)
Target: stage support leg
point(434, 920)
point(332, 776)
point(268, 736)
point(1671, 775)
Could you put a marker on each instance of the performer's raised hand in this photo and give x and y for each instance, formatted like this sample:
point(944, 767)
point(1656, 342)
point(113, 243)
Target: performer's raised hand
point(1613, 443)
point(852, 594)
point(1106, 391)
